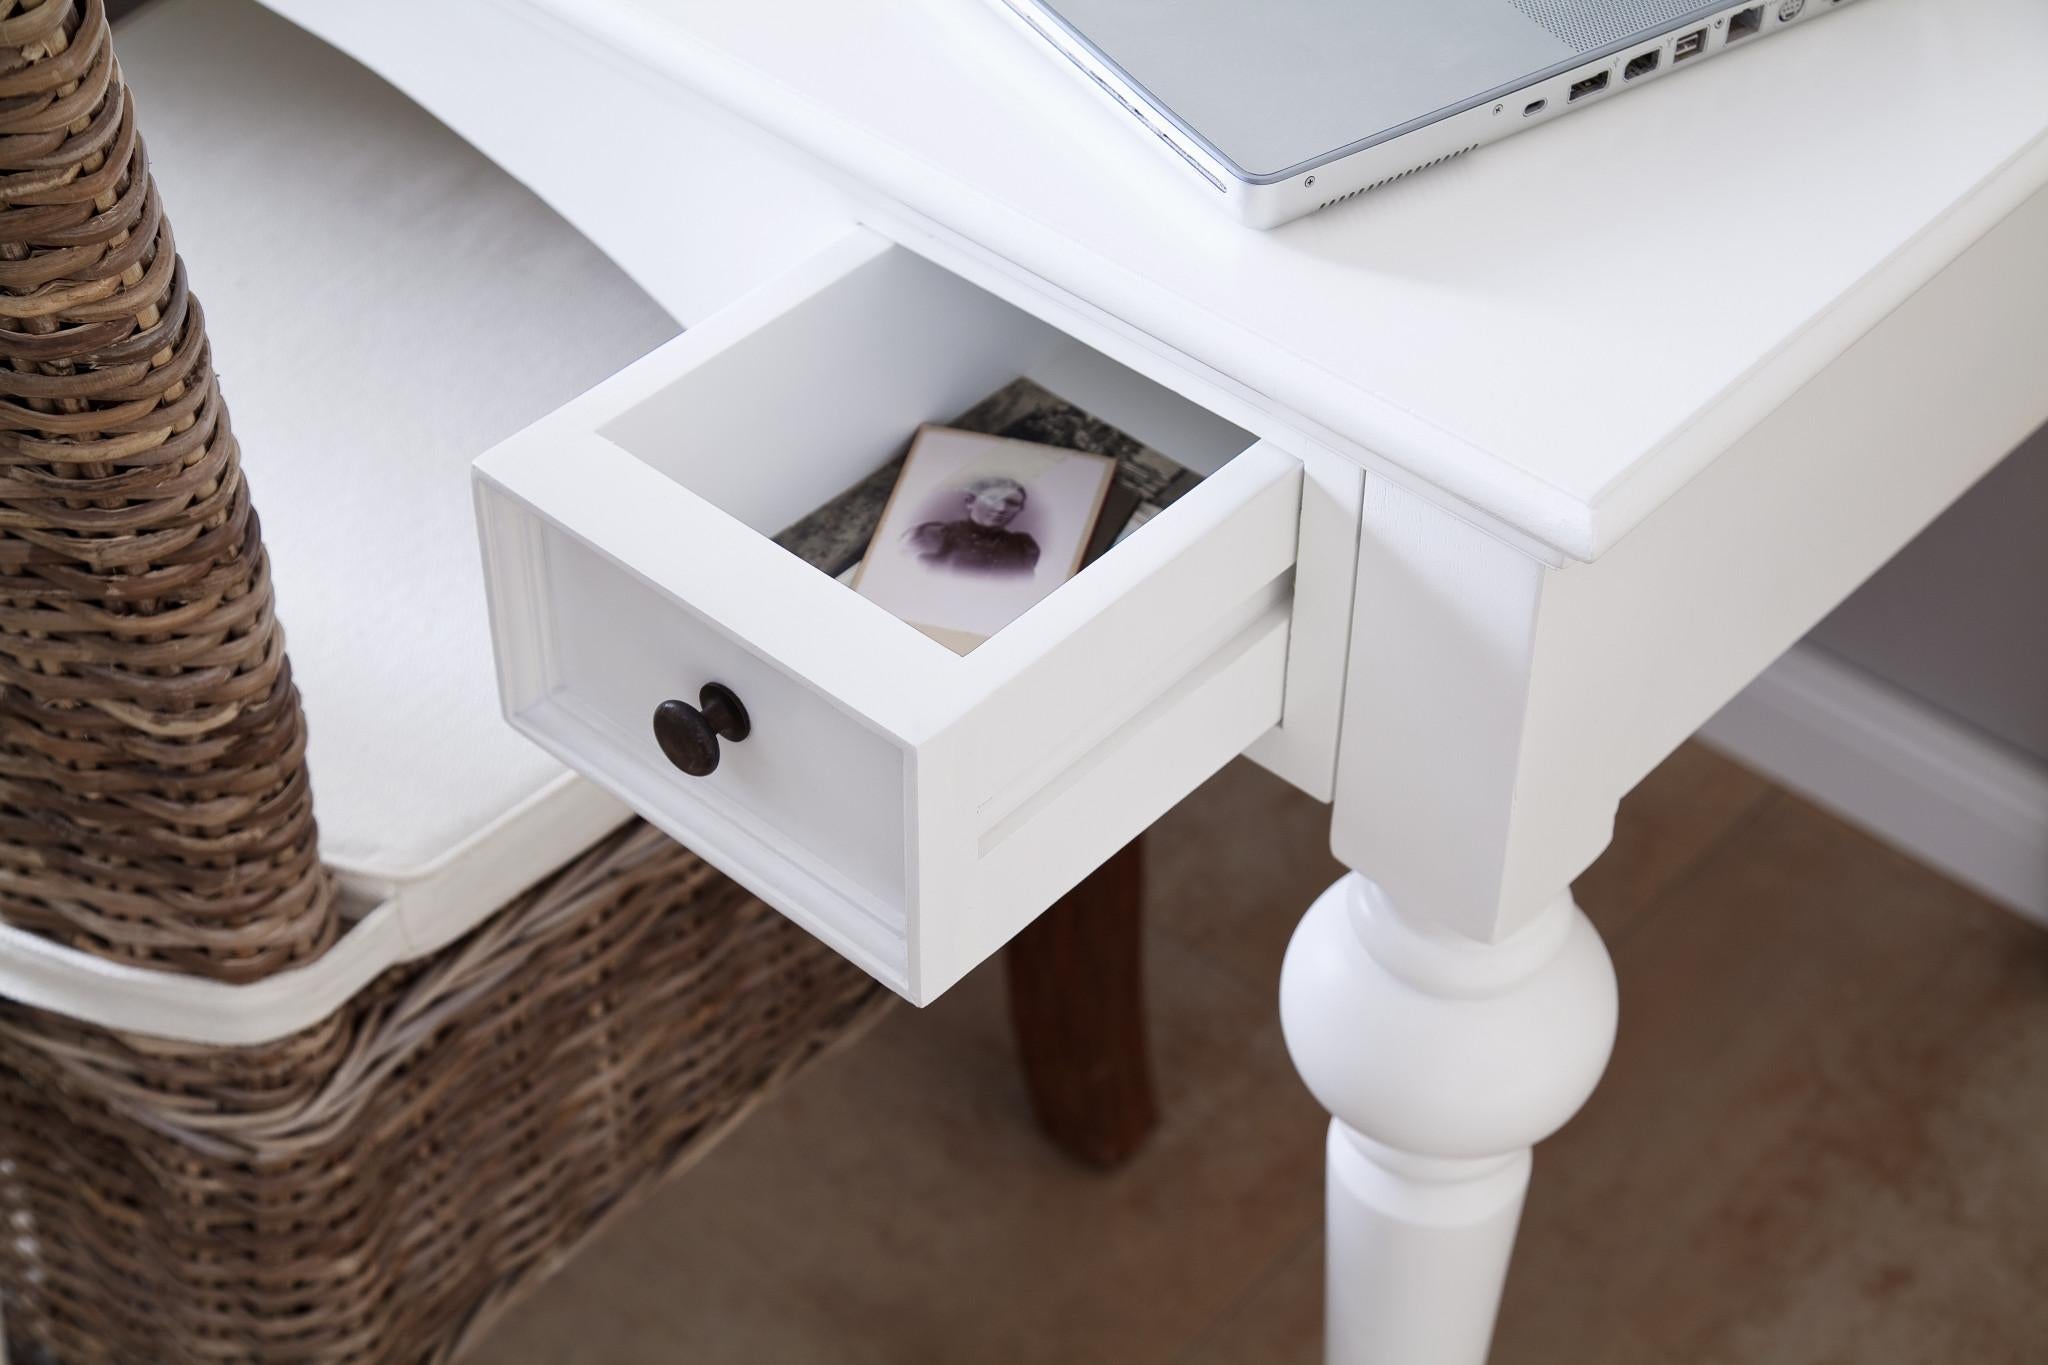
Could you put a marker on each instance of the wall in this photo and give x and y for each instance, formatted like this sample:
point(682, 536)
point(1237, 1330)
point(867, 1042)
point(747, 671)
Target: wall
point(1919, 709)
point(1959, 618)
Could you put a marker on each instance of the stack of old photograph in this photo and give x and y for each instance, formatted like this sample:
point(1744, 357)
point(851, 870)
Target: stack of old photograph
point(983, 516)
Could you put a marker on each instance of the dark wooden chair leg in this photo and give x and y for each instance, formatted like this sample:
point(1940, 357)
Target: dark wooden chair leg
point(1077, 1000)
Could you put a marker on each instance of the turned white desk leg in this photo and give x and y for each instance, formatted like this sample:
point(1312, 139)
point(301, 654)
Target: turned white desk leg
point(1442, 1061)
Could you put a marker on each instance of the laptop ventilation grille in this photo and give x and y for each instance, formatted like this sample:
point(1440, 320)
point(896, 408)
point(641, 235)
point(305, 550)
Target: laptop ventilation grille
point(1588, 24)
point(1388, 180)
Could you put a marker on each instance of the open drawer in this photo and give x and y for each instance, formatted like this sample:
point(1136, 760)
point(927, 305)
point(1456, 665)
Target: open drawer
point(911, 806)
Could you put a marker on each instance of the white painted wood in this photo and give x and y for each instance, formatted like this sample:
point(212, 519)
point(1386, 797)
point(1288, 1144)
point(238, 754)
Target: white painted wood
point(1416, 1252)
point(1909, 773)
point(1442, 1062)
point(1173, 412)
point(1483, 757)
point(1560, 330)
point(1437, 710)
point(1303, 747)
point(913, 807)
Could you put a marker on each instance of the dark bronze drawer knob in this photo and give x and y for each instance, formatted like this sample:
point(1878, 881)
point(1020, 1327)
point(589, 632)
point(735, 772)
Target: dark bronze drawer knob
point(689, 734)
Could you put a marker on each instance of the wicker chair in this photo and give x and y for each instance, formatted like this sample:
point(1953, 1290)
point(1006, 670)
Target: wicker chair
point(375, 1182)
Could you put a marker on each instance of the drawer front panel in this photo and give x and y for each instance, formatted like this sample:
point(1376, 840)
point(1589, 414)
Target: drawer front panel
point(828, 785)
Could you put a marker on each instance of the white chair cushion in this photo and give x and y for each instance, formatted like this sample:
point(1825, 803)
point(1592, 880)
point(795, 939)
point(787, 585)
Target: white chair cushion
point(384, 306)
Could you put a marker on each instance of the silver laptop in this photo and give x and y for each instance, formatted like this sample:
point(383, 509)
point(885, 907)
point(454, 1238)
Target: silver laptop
point(1289, 106)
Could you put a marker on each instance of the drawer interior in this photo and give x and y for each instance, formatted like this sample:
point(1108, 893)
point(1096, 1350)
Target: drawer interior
point(830, 390)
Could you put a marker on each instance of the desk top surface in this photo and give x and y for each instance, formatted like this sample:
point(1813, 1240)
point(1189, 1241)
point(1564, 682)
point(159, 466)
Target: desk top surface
point(1559, 329)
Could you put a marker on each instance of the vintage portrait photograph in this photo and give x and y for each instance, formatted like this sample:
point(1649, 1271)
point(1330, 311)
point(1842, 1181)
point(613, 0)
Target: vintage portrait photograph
point(978, 529)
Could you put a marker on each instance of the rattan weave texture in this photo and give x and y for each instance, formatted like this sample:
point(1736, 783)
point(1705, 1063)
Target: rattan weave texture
point(372, 1189)
point(154, 803)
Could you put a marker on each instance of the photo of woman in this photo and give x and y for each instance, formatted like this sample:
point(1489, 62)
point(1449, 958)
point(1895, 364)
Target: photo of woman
point(978, 529)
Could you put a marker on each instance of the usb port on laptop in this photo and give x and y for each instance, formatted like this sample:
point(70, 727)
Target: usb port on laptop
point(1690, 45)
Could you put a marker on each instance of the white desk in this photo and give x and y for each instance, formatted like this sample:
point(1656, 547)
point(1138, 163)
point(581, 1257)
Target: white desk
point(1590, 426)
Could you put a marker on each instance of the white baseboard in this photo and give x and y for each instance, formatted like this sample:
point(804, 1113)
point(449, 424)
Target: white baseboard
point(1911, 774)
